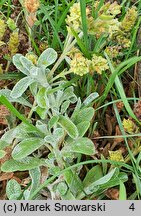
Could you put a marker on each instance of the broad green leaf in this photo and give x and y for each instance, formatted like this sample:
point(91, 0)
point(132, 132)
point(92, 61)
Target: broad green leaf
point(26, 194)
point(102, 181)
point(65, 106)
point(69, 95)
point(42, 112)
point(21, 100)
point(26, 63)
point(26, 147)
point(53, 121)
point(23, 131)
point(81, 145)
point(76, 110)
point(93, 175)
point(34, 88)
point(13, 189)
point(55, 137)
point(83, 127)
point(40, 97)
point(2, 153)
point(90, 98)
point(47, 57)
point(73, 181)
point(122, 191)
point(42, 127)
point(84, 114)
point(68, 126)
point(62, 188)
point(35, 175)
point(22, 165)
point(7, 138)
point(58, 133)
point(34, 72)
point(21, 87)
point(68, 196)
point(19, 65)
point(3, 144)
point(39, 74)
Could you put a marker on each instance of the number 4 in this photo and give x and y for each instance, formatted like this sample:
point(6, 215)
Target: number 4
point(132, 207)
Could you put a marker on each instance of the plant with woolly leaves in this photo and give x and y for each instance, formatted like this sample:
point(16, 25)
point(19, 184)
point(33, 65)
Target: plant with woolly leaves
point(34, 74)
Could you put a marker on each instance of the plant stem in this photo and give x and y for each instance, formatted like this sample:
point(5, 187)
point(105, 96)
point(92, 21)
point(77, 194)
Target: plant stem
point(32, 110)
point(69, 44)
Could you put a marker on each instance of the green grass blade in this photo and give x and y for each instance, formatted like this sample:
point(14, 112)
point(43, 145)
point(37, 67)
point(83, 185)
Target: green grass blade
point(84, 21)
point(48, 181)
point(121, 91)
point(4, 101)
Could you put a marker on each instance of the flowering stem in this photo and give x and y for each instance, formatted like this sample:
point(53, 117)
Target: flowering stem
point(62, 74)
point(69, 44)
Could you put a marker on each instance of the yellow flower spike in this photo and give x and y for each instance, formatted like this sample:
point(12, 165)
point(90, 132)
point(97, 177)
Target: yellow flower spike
point(116, 155)
point(129, 125)
point(74, 19)
point(13, 43)
point(31, 5)
point(2, 28)
point(129, 19)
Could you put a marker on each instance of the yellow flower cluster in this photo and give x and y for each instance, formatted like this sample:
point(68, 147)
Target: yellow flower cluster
point(129, 126)
point(123, 41)
point(116, 155)
point(13, 43)
point(113, 51)
point(105, 22)
point(99, 64)
point(74, 19)
point(2, 28)
point(109, 9)
point(81, 65)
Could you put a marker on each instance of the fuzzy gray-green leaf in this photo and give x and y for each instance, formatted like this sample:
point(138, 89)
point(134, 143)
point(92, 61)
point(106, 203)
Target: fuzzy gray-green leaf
point(26, 147)
point(21, 87)
point(13, 189)
point(68, 126)
point(47, 57)
point(27, 163)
